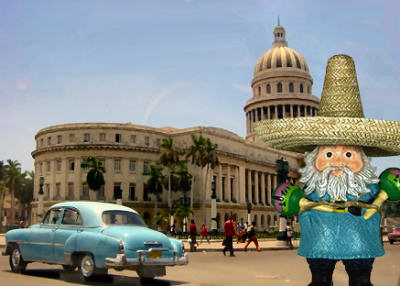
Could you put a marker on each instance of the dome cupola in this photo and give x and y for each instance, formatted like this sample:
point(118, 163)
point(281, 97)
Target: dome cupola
point(282, 85)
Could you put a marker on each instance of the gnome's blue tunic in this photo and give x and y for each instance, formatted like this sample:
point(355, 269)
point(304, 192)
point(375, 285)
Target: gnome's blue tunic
point(340, 235)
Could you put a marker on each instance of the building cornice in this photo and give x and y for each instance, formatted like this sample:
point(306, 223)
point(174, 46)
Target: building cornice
point(310, 99)
point(86, 146)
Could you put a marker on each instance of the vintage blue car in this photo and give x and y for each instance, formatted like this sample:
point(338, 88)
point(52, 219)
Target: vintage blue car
point(94, 237)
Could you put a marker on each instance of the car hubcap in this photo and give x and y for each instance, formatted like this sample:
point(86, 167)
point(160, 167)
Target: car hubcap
point(87, 266)
point(16, 257)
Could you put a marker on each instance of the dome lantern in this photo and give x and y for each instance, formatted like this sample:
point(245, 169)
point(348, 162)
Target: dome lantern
point(279, 37)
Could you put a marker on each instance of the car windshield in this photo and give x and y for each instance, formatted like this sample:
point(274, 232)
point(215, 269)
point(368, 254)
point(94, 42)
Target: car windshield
point(122, 218)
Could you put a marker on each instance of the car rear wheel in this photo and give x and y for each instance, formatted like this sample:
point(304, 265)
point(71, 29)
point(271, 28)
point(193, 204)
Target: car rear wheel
point(17, 263)
point(391, 241)
point(87, 266)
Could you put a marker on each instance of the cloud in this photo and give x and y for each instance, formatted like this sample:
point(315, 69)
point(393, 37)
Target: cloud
point(156, 101)
point(244, 88)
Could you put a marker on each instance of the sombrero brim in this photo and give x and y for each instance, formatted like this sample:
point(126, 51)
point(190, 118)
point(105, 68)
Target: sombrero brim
point(379, 138)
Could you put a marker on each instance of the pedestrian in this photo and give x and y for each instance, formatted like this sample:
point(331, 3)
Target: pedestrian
point(240, 231)
point(173, 231)
point(252, 236)
point(229, 232)
point(289, 236)
point(193, 233)
point(204, 233)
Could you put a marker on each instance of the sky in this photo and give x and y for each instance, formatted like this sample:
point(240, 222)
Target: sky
point(177, 63)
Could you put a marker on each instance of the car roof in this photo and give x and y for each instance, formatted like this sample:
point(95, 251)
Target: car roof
point(91, 211)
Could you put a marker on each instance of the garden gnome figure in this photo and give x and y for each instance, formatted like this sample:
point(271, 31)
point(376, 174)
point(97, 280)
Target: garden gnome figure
point(339, 207)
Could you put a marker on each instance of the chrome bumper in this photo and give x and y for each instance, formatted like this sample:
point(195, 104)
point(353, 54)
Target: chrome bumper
point(121, 261)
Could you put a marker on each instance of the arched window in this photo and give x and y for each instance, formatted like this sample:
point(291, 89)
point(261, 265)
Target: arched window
point(268, 88)
point(259, 90)
point(301, 88)
point(279, 87)
point(291, 87)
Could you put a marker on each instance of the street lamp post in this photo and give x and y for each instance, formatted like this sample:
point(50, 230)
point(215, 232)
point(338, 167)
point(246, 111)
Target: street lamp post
point(249, 207)
point(282, 169)
point(40, 209)
point(213, 209)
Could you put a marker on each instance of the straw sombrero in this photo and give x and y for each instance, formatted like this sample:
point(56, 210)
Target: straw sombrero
point(340, 119)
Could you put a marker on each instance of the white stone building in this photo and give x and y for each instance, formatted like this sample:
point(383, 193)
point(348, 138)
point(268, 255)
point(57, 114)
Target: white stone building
point(281, 88)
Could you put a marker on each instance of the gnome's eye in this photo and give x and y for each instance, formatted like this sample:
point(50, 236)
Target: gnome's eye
point(329, 154)
point(348, 154)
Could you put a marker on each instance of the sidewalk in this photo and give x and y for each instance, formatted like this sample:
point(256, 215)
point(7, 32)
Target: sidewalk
point(265, 244)
point(216, 244)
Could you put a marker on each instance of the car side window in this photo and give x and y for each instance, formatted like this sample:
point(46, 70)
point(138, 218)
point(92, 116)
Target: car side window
point(71, 217)
point(52, 216)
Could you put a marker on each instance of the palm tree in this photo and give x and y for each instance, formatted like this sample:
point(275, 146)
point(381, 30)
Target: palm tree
point(196, 153)
point(184, 180)
point(3, 188)
point(155, 183)
point(13, 171)
point(184, 184)
point(181, 213)
point(95, 177)
point(203, 154)
point(169, 158)
point(25, 194)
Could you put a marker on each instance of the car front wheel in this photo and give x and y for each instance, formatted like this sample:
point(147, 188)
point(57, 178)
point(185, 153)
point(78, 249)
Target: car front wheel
point(17, 263)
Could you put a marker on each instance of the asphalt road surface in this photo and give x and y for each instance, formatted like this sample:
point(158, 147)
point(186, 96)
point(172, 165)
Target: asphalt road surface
point(275, 268)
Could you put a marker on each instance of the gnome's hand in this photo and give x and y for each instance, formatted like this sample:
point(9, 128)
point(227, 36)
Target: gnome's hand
point(286, 199)
point(390, 189)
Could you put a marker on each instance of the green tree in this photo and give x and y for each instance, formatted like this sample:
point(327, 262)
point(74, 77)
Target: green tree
point(184, 180)
point(203, 153)
point(155, 183)
point(95, 175)
point(169, 158)
point(13, 178)
point(3, 188)
point(24, 194)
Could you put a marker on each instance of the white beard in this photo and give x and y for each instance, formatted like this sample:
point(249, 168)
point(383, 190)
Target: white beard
point(337, 187)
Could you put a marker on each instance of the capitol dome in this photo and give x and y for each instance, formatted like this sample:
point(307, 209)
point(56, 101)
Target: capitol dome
point(281, 85)
point(280, 56)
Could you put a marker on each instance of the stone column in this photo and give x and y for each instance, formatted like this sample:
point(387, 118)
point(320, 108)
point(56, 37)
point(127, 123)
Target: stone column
point(256, 193)
point(53, 179)
point(236, 188)
point(291, 111)
point(269, 189)
point(219, 182)
point(228, 183)
point(78, 182)
point(249, 185)
point(276, 111)
point(139, 185)
point(275, 181)
point(241, 183)
point(268, 112)
point(263, 188)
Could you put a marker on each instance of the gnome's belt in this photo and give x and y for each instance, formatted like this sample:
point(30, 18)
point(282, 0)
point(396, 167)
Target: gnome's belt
point(324, 206)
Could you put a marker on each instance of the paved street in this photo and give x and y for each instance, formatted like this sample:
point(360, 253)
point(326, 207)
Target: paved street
point(272, 267)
